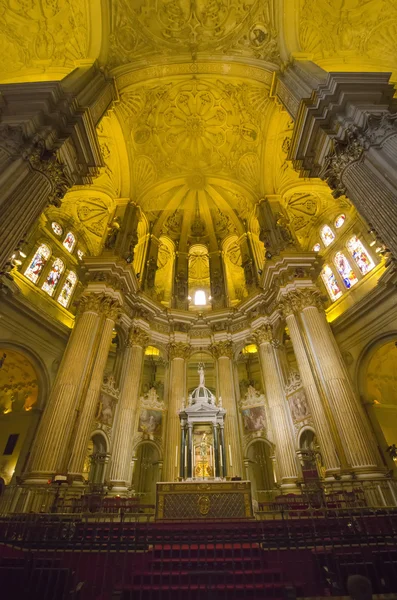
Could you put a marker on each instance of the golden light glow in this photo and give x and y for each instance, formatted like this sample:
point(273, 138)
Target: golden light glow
point(152, 351)
point(250, 349)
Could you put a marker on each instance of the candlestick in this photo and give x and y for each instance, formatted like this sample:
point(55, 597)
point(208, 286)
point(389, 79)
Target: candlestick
point(230, 456)
point(176, 457)
point(220, 455)
point(211, 456)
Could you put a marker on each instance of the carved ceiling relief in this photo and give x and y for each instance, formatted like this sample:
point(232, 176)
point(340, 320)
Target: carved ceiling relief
point(40, 36)
point(18, 382)
point(230, 27)
point(363, 30)
point(109, 177)
point(196, 125)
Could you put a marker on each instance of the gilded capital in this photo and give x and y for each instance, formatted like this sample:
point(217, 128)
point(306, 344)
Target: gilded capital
point(179, 350)
point(100, 304)
point(296, 301)
point(220, 349)
point(89, 303)
point(137, 337)
point(47, 163)
point(110, 307)
point(263, 335)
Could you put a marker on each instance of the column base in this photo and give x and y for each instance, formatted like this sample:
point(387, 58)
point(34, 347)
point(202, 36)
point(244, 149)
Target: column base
point(119, 488)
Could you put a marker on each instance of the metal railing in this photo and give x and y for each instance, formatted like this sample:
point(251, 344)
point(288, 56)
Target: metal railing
point(103, 557)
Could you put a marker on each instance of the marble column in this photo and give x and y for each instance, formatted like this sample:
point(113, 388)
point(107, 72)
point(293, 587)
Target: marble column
point(330, 444)
point(281, 427)
point(123, 431)
point(327, 363)
point(223, 351)
point(50, 449)
point(110, 310)
point(178, 353)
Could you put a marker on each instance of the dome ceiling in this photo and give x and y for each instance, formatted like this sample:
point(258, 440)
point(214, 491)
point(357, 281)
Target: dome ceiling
point(206, 213)
point(194, 127)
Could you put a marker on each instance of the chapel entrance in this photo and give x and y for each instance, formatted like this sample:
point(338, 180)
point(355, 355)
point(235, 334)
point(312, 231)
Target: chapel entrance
point(146, 472)
point(260, 471)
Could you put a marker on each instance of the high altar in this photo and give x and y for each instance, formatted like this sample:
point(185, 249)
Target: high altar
point(203, 489)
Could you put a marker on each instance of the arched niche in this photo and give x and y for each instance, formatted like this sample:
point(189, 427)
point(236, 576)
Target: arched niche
point(147, 471)
point(234, 272)
point(22, 392)
point(165, 270)
point(309, 453)
point(208, 361)
point(249, 369)
point(260, 469)
point(96, 459)
point(377, 382)
point(154, 371)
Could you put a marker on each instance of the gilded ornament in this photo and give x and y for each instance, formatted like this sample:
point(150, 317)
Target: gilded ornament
point(263, 335)
point(221, 349)
point(204, 505)
point(179, 350)
point(47, 163)
point(137, 337)
point(297, 300)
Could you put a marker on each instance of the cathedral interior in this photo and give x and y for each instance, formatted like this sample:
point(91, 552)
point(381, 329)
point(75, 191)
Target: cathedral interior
point(198, 289)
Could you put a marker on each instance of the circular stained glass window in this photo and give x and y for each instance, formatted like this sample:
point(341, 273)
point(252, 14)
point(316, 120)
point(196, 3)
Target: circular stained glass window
point(316, 247)
point(339, 221)
point(56, 228)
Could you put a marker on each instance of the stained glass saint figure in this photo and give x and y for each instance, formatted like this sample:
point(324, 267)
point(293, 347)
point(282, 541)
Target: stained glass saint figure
point(331, 283)
point(67, 289)
point(345, 270)
point(339, 221)
point(53, 277)
point(69, 241)
point(38, 261)
point(360, 255)
point(327, 235)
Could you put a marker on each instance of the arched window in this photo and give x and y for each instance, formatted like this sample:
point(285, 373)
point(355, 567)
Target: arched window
point(53, 277)
point(360, 255)
point(327, 235)
point(69, 241)
point(339, 221)
point(67, 289)
point(330, 282)
point(345, 270)
point(199, 275)
point(56, 228)
point(38, 261)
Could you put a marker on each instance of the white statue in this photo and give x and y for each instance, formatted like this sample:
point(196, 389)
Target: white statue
point(202, 375)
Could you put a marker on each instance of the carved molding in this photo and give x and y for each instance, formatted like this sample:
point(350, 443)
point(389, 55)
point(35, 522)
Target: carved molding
point(152, 401)
point(294, 382)
point(100, 304)
point(47, 163)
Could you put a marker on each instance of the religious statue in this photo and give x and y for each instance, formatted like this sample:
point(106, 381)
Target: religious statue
point(203, 447)
point(112, 234)
point(201, 375)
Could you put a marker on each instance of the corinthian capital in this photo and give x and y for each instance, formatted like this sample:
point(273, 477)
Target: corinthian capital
point(263, 335)
point(220, 349)
point(137, 337)
point(179, 350)
point(47, 163)
point(110, 307)
point(297, 300)
point(89, 303)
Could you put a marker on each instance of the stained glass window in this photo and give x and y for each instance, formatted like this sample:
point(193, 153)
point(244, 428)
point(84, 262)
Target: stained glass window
point(339, 221)
point(67, 289)
point(331, 284)
point(38, 261)
point(360, 255)
point(317, 247)
point(69, 241)
point(327, 235)
point(345, 270)
point(80, 254)
point(53, 277)
point(56, 228)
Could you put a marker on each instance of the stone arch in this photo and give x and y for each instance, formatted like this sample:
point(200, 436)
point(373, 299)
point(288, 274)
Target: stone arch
point(260, 468)
point(147, 470)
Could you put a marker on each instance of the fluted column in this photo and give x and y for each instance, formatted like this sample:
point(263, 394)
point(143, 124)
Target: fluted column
point(130, 383)
point(330, 444)
point(178, 353)
point(110, 311)
point(327, 362)
point(53, 437)
point(223, 351)
point(285, 449)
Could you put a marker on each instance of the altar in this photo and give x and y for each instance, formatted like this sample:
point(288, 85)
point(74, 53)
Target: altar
point(195, 500)
point(204, 489)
